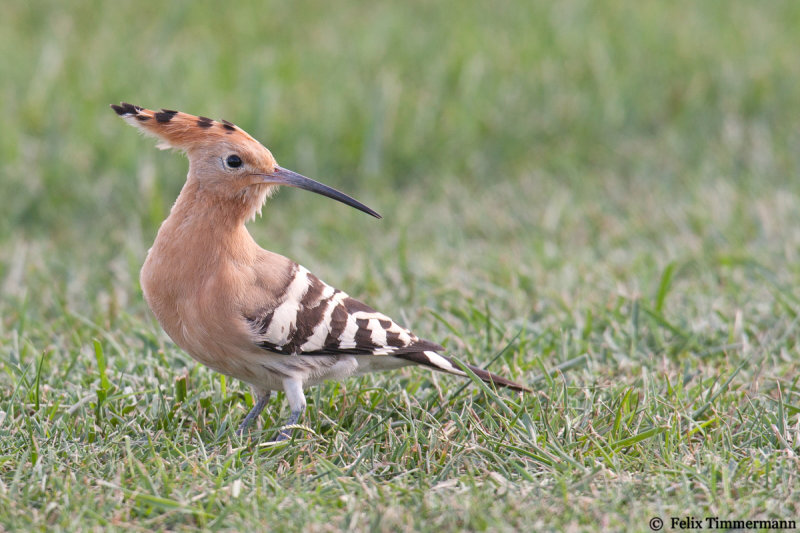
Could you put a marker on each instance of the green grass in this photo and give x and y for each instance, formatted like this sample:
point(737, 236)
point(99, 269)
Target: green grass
point(600, 200)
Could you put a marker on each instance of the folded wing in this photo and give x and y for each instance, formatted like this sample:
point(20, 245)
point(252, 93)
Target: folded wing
point(313, 318)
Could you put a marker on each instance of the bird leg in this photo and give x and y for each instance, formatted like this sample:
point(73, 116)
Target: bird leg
point(297, 404)
point(262, 397)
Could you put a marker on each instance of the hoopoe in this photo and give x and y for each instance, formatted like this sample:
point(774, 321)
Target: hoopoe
point(242, 310)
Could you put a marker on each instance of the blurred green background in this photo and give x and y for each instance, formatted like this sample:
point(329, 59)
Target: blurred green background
point(553, 166)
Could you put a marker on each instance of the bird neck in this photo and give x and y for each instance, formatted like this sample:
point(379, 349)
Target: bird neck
point(207, 221)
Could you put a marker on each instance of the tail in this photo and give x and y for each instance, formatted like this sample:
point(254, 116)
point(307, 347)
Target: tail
point(445, 364)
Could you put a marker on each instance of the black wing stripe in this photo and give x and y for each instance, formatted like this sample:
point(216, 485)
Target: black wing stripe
point(337, 325)
point(363, 335)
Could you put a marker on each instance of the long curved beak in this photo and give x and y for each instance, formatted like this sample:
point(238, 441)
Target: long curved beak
point(281, 176)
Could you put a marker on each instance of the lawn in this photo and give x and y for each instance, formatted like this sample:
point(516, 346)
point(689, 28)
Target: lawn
point(600, 200)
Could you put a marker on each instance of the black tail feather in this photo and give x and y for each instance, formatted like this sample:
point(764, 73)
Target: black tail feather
point(445, 364)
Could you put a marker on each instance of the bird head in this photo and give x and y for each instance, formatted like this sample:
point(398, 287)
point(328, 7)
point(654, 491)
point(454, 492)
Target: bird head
point(225, 161)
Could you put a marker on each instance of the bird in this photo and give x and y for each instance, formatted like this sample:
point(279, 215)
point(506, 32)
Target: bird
point(244, 311)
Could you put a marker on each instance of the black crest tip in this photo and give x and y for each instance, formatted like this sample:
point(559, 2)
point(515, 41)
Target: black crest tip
point(163, 118)
point(124, 108)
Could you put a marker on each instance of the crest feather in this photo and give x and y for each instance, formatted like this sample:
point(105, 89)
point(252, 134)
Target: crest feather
point(175, 129)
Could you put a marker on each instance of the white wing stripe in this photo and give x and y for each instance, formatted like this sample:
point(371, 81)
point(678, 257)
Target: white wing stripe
point(378, 334)
point(285, 315)
point(348, 337)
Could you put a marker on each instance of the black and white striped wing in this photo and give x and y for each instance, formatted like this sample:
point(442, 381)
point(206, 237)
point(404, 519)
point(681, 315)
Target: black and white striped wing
point(313, 318)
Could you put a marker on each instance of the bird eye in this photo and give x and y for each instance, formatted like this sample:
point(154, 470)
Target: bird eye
point(233, 161)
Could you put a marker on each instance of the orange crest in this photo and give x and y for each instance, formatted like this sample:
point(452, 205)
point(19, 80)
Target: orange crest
point(182, 131)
